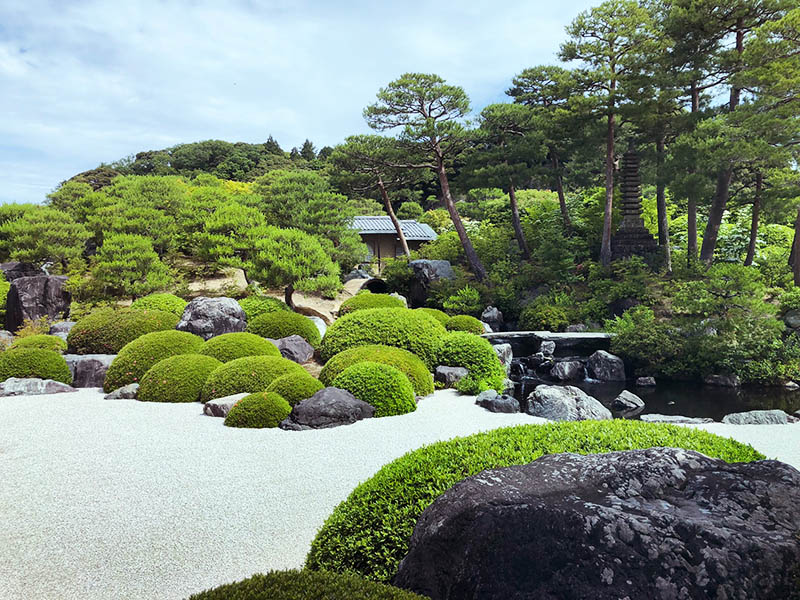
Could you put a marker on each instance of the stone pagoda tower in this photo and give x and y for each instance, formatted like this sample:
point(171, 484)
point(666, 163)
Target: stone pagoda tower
point(632, 237)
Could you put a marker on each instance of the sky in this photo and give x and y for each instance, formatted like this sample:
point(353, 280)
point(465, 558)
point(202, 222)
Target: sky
point(87, 82)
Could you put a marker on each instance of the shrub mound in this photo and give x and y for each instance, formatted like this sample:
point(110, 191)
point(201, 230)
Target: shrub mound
point(466, 323)
point(165, 302)
point(136, 358)
point(230, 346)
point(437, 314)
point(34, 362)
point(282, 324)
point(41, 341)
point(305, 585)
point(254, 306)
point(382, 386)
point(404, 328)
point(294, 387)
point(462, 349)
point(366, 299)
point(177, 378)
point(108, 330)
point(248, 374)
point(403, 360)
point(259, 410)
point(369, 532)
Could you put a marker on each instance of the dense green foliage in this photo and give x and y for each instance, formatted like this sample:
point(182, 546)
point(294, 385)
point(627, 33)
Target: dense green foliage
point(464, 323)
point(108, 330)
point(382, 386)
point(369, 532)
point(294, 387)
point(163, 302)
point(462, 349)
point(41, 234)
point(34, 362)
point(249, 374)
point(366, 299)
point(127, 266)
point(258, 411)
point(136, 358)
point(402, 360)
point(230, 346)
point(437, 314)
point(281, 324)
point(176, 379)
point(253, 306)
point(43, 341)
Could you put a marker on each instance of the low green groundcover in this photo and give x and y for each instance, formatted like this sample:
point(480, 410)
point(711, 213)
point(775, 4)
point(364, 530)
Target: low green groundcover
point(258, 411)
point(254, 306)
point(108, 330)
point(462, 349)
point(382, 386)
point(230, 346)
point(305, 585)
point(294, 387)
point(34, 362)
point(282, 324)
point(177, 378)
point(167, 302)
point(464, 323)
point(250, 374)
point(405, 361)
point(369, 532)
point(41, 341)
point(367, 299)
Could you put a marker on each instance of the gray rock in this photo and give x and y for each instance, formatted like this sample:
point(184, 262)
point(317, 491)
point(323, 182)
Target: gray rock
point(722, 380)
point(126, 392)
point(492, 317)
point(547, 347)
point(578, 328)
point(758, 417)
point(792, 318)
point(505, 354)
point(295, 348)
point(423, 274)
point(62, 329)
point(208, 317)
point(567, 370)
point(509, 386)
point(356, 274)
point(565, 403)
point(30, 386)
point(627, 401)
point(657, 418)
point(36, 297)
point(645, 381)
point(329, 407)
point(15, 270)
point(497, 403)
point(604, 366)
point(220, 407)
point(449, 376)
point(321, 326)
point(400, 297)
point(486, 327)
point(791, 385)
point(661, 523)
point(88, 370)
point(6, 338)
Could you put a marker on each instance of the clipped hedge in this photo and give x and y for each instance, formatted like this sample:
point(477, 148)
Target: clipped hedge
point(305, 585)
point(165, 302)
point(437, 314)
point(382, 386)
point(34, 362)
point(411, 330)
point(177, 378)
point(230, 346)
point(136, 358)
point(366, 299)
point(403, 360)
point(258, 411)
point(254, 306)
point(369, 532)
point(294, 387)
point(108, 330)
point(466, 323)
point(462, 349)
point(41, 341)
point(282, 324)
point(249, 374)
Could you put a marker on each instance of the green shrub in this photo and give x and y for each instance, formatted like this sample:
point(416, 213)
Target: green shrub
point(467, 300)
point(409, 210)
point(4, 287)
point(411, 330)
point(305, 585)
point(259, 410)
point(542, 316)
point(177, 378)
point(294, 387)
point(230, 346)
point(369, 532)
point(34, 362)
point(403, 360)
point(42, 341)
point(462, 349)
point(366, 299)
point(437, 314)
point(282, 324)
point(382, 386)
point(136, 358)
point(790, 300)
point(249, 374)
point(106, 331)
point(464, 323)
point(253, 306)
point(164, 302)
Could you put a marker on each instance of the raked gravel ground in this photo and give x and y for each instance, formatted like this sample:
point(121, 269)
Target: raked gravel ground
point(119, 499)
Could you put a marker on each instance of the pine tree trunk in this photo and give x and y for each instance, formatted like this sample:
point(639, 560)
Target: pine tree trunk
point(562, 200)
point(715, 216)
point(691, 230)
point(523, 244)
point(661, 205)
point(751, 247)
point(793, 260)
point(388, 206)
point(288, 292)
point(605, 246)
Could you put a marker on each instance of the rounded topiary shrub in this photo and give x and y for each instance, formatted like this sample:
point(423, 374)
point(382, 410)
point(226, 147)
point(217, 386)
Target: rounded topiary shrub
point(294, 387)
point(437, 314)
point(177, 378)
point(258, 411)
point(541, 316)
point(34, 362)
point(369, 532)
point(41, 341)
point(466, 323)
point(403, 360)
point(305, 585)
point(230, 346)
point(382, 386)
point(165, 302)
point(249, 374)
point(108, 330)
point(366, 299)
point(404, 328)
point(462, 349)
point(136, 358)
point(281, 324)
point(253, 306)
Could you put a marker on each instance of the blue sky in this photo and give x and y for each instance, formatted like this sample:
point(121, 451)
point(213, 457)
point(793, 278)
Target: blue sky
point(90, 82)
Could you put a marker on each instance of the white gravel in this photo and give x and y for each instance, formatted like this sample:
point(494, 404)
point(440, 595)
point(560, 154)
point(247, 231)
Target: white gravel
point(122, 499)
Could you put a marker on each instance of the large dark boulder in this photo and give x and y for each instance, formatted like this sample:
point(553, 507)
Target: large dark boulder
point(36, 297)
point(424, 273)
point(497, 403)
point(295, 348)
point(660, 524)
point(89, 370)
point(15, 270)
point(604, 366)
point(208, 317)
point(329, 407)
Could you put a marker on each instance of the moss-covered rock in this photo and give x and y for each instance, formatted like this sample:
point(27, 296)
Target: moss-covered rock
point(382, 386)
point(462, 349)
point(230, 346)
point(254, 306)
point(34, 362)
point(258, 411)
point(41, 341)
point(281, 324)
point(108, 330)
point(464, 323)
point(177, 378)
point(164, 302)
point(366, 299)
point(249, 374)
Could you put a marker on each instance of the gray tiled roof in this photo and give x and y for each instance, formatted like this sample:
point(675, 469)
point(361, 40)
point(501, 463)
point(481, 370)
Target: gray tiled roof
point(383, 225)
